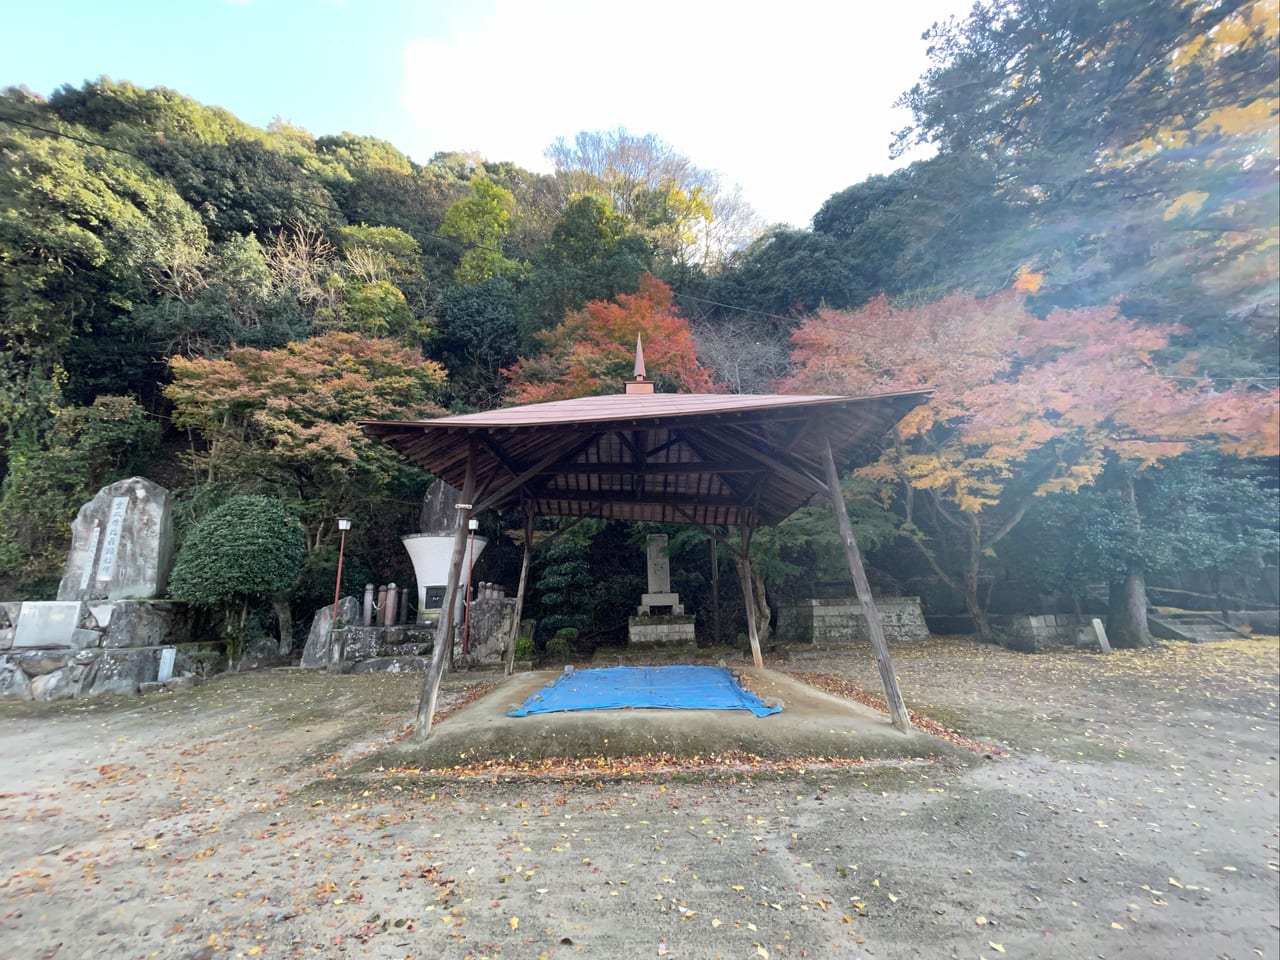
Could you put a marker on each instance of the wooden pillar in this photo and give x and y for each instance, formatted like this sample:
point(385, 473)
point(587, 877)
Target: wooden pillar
point(715, 592)
point(748, 595)
point(524, 579)
point(442, 648)
point(892, 695)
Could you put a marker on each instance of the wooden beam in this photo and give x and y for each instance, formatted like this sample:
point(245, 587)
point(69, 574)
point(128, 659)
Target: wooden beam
point(623, 469)
point(499, 454)
point(880, 647)
point(770, 459)
point(654, 499)
point(525, 475)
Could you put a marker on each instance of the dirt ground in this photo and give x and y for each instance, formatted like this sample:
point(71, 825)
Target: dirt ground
point(1135, 814)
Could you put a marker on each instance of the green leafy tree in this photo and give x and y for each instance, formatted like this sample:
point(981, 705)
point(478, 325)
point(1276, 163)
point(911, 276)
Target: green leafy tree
point(250, 548)
point(206, 303)
point(688, 216)
point(1198, 518)
point(1137, 141)
point(480, 222)
point(476, 337)
point(592, 254)
point(242, 186)
point(86, 448)
point(563, 584)
point(128, 115)
point(81, 228)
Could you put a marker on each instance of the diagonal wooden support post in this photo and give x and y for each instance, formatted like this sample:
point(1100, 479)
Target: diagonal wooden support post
point(748, 594)
point(524, 579)
point(442, 648)
point(892, 695)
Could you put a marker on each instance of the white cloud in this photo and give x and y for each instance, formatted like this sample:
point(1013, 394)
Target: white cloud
point(792, 103)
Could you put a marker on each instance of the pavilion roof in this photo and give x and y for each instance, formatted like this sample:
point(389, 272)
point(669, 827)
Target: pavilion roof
point(711, 459)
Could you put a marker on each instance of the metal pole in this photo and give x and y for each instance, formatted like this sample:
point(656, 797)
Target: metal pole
point(466, 598)
point(343, 525)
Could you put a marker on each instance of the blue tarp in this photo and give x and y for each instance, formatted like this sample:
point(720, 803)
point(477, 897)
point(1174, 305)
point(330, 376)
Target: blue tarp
point(666, 688)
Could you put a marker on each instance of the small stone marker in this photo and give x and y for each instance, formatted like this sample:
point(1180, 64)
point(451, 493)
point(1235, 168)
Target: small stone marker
point(1100, 632)
point(164, 672)
point(121, 544)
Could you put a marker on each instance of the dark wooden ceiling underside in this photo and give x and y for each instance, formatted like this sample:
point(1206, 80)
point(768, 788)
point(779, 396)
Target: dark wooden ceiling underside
point(680, 458)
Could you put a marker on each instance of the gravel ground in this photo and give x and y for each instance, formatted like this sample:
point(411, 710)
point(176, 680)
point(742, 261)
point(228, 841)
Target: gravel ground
point(1133, 814)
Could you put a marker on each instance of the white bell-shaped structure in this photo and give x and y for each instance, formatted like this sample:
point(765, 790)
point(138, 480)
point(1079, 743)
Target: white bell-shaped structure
point(431, 554)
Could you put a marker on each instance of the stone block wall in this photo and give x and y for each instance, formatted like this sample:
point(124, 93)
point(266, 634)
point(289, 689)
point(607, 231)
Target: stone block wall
point(1032, 634)
point(838, 621)
point(490, 628)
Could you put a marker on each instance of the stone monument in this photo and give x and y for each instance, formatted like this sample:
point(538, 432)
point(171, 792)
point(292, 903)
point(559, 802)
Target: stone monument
point(660, 619)
point(121, 544)
point(107, 632)
point(659, 601)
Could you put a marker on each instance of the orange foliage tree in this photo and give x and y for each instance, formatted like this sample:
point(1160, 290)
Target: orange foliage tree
point(1022, 407)
point(286, 420)
point(592, 350)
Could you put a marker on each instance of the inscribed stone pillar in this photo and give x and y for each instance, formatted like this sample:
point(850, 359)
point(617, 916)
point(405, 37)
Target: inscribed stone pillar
point(121, 544)
point(659, 600)
point(659, 567)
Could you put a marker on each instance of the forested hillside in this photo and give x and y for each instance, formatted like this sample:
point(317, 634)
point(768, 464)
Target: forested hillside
point(1086, 271)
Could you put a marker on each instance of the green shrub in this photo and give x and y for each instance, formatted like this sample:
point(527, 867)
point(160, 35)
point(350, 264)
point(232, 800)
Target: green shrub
point(250, 548)
point(559, 648)
point(525, 649)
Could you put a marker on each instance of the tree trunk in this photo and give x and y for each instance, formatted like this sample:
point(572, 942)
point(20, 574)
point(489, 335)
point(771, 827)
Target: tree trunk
point(1127, 615)
point(973, 605)
point(1127, 599)
point(284, 613)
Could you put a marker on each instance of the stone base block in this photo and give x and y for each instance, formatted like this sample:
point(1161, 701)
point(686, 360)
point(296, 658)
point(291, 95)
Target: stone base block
point(661, 631)
point(660, 605)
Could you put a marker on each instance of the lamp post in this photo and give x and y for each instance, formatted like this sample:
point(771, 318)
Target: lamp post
point(472, 525)
point(344, 525)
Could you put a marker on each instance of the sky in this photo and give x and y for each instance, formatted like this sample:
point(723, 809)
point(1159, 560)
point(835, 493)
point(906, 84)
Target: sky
point(790, 101)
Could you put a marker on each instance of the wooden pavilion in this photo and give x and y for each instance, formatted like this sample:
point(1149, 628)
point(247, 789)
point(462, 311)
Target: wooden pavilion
point(713, 460)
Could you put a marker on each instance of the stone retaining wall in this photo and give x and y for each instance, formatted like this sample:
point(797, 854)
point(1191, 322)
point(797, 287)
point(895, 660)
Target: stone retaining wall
point(53, 650)
point(831, 622)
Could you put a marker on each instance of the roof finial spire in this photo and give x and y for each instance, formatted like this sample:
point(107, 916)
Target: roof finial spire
point(640, 384)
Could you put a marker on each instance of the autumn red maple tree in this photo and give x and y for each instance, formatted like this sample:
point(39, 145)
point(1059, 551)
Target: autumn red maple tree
point(592, 350)
point(1022, 407)
point(287, 420)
